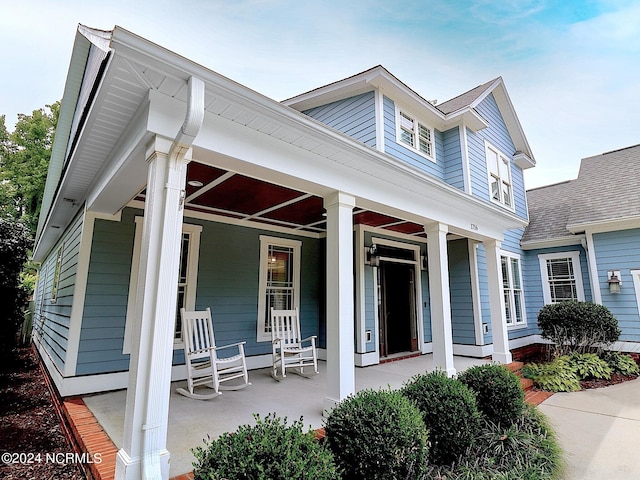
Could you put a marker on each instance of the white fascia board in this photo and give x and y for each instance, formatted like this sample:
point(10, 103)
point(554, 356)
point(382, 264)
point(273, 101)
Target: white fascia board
point(384, 183)
point(332, 92)
point(72, 88)
point(525, 158)
point(610, 225)
point(552, 242)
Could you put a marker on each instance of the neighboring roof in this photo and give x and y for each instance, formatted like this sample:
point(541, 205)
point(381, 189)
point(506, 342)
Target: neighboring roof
point(607, 189)
point(604, 197)
point(549, 209)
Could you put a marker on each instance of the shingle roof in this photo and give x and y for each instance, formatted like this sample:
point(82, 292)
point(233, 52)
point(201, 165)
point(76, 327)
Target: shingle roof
point(465, 99)
point(608, 187)
point(549, 209)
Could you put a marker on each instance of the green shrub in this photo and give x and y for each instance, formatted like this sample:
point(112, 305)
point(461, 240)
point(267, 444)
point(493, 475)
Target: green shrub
point(588, 365)
point(449, 411)
point(578, 326)
point(556, 376)
point(269, 450)
point(527, 449)
point(621, 364)
point(499, 394)
point(377, 435)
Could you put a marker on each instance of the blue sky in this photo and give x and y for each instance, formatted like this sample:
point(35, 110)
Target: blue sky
point(572, 68)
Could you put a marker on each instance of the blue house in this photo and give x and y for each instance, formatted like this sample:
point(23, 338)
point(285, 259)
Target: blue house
point(394, 224)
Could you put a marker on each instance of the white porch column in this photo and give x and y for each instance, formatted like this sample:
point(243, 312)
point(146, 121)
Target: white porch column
point(143, 453)
point(437, 258)
point(499, 331)
point(340, 308)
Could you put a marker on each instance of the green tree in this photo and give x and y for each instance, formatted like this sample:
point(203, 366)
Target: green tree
point(14, 244)
point(24, 161)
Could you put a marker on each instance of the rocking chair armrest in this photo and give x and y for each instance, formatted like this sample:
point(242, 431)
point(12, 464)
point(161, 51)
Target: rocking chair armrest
point(312, 338)
point(237, 344)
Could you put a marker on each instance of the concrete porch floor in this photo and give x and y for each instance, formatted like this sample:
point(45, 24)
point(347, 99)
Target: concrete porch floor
point(191, 421)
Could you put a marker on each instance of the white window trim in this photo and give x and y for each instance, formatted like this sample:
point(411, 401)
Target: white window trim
point(417, 121)
point(192, 275)
point(265, 241)
point(488, 146)
point(635, 275)
point(523, 322)
point(577, 270)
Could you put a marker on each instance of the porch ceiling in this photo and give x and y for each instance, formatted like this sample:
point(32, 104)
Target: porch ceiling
point(216, 191)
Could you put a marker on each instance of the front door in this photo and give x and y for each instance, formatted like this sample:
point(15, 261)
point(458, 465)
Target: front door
point(398, 329)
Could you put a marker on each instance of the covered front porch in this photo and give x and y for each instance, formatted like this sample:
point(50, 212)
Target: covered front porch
point(191, 421)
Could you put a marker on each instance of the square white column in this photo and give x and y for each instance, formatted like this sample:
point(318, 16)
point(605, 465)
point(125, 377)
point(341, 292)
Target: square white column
point(144, 453)
point(438, 264)
point(499, 330)
point(340, 301)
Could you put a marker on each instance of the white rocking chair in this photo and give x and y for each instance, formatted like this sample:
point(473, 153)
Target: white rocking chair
point(288, 349)
point(204, 366)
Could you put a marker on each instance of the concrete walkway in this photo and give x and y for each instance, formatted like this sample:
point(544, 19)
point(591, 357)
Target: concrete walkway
point(599, 431)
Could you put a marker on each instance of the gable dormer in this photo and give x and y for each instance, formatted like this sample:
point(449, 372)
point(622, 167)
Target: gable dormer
point(473, 142)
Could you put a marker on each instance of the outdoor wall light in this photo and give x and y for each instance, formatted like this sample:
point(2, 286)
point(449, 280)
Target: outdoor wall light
point(372, 256)
point(614, 281)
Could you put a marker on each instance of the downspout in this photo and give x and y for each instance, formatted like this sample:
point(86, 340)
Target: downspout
point(179, 148)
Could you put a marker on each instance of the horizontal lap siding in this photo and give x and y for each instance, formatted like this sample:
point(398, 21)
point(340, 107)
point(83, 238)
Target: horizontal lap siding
point(453, 170)
point(370, 308)
point(228, 276)
point(52, 319)
point(532, 281)
point(497, 135)
point(393, 148)
point(620, 251)
point(105, 308)
point(483, 286)
point(462, 320)
point(353, 116)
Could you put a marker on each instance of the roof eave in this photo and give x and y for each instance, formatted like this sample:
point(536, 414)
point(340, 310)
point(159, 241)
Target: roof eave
point(73, 85)
point(608, 225)
point(552, 242)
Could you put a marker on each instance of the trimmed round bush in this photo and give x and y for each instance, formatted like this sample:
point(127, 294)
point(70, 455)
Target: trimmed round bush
point(499, 394)
point(449, 411)
point(580, 326)
point(377, 435)
point(269, 450)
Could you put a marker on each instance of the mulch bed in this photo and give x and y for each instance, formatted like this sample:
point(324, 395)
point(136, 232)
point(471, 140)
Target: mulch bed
point(599, 383)
point(33, 444)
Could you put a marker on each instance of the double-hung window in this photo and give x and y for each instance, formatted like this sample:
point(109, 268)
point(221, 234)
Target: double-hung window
point(187, 279)
point(279, 283)
point(512, 290)
point(499, 170)
point(414, 134)
point(561, 277)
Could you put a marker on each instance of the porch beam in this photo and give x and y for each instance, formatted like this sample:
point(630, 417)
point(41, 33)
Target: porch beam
point(340, 300)
point(499, 329)
point(438, 264)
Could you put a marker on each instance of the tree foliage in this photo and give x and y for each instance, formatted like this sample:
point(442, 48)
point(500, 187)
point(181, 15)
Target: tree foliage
point(14, 245)
point(24, 161)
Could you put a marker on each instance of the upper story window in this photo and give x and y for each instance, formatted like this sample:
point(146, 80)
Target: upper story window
point(416, 135)
point(561, 277)
point(499, 169)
